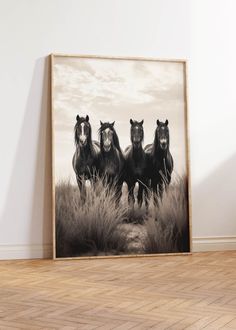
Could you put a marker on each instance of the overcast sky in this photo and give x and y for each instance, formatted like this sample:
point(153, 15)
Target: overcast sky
point(116, 90)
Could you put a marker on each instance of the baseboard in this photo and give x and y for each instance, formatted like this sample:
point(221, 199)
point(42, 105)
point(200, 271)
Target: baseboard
point(200, 244)
point(214, 243)
point(38, 251)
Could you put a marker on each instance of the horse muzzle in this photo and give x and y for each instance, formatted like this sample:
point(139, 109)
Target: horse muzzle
point(83, 142)
point(107, 147)
point(136, 139)
point(163, 143)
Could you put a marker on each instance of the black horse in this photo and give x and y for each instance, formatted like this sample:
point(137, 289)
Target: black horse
point(136, 164)
point(86, 152)
point(161, 163)
point(111, 160)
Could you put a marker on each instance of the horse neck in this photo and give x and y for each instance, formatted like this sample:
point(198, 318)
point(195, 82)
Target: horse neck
point(110, 155)
point(86, 150)
point(137, 150)
point(157, 150)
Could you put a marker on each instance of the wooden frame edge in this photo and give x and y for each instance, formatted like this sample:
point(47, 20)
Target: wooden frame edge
point(125, 256)
point(53, 161)
point(187, 141)
point(128, 58)
point(188, 162)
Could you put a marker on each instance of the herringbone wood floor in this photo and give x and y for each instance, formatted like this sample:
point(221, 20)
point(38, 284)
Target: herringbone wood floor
point(183, 292)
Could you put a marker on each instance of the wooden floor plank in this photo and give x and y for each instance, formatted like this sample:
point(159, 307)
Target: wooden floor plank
point(174, 292)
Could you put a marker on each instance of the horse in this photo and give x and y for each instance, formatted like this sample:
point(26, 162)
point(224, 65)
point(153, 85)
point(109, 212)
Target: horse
point(136, 164)
point(160, 160)
point(111, 160)
point(86, 153)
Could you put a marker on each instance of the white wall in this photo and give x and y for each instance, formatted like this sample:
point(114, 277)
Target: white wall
point(213, 118)
point(201, 31)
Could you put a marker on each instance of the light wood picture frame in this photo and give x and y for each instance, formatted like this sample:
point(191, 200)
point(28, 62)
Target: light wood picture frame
point(120, 157)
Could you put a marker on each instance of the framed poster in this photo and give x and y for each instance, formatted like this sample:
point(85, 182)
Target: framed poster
point(120, 157)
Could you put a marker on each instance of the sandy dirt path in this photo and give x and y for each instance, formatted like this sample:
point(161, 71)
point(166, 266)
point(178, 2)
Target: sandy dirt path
point(135, 238)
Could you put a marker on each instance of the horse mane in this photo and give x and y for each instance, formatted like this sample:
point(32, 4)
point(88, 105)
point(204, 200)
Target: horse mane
point(156, 141)
point(115, 136)
point(76, 140)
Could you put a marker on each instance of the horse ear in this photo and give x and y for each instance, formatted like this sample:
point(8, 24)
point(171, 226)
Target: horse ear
point(87, 118)
point(158, 122)
point(77, 117)
point(131, 121)
point(101, 123)
point(112, 124)
point(166, 122)
point(141, 122)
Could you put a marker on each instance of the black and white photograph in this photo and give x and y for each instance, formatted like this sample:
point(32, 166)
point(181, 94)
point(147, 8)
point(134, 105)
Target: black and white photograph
point(120, 156)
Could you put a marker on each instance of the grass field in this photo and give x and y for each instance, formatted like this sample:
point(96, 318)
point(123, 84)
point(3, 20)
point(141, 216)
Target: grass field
point(96, 225)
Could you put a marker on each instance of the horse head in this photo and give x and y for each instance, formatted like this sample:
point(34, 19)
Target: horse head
point(136, 132)
point(82, 131)
point(107, 136)
point(162, 137)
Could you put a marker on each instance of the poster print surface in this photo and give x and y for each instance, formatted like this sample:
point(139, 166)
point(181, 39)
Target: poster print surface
point(120, 158)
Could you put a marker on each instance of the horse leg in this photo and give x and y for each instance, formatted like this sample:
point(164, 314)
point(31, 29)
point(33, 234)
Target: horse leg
point(155, 197)
point(131, 199)
point(81, 185)
point(140, 194)
point(161, 188)
point(146, 196)
point(79, 181)
point(118, 192)
point(143, 192)
point(155, 194)
point(168, 180)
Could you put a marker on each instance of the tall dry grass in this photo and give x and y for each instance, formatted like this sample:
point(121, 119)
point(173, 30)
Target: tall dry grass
point(167, 226)
point(91, 225)
point(98, 225)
